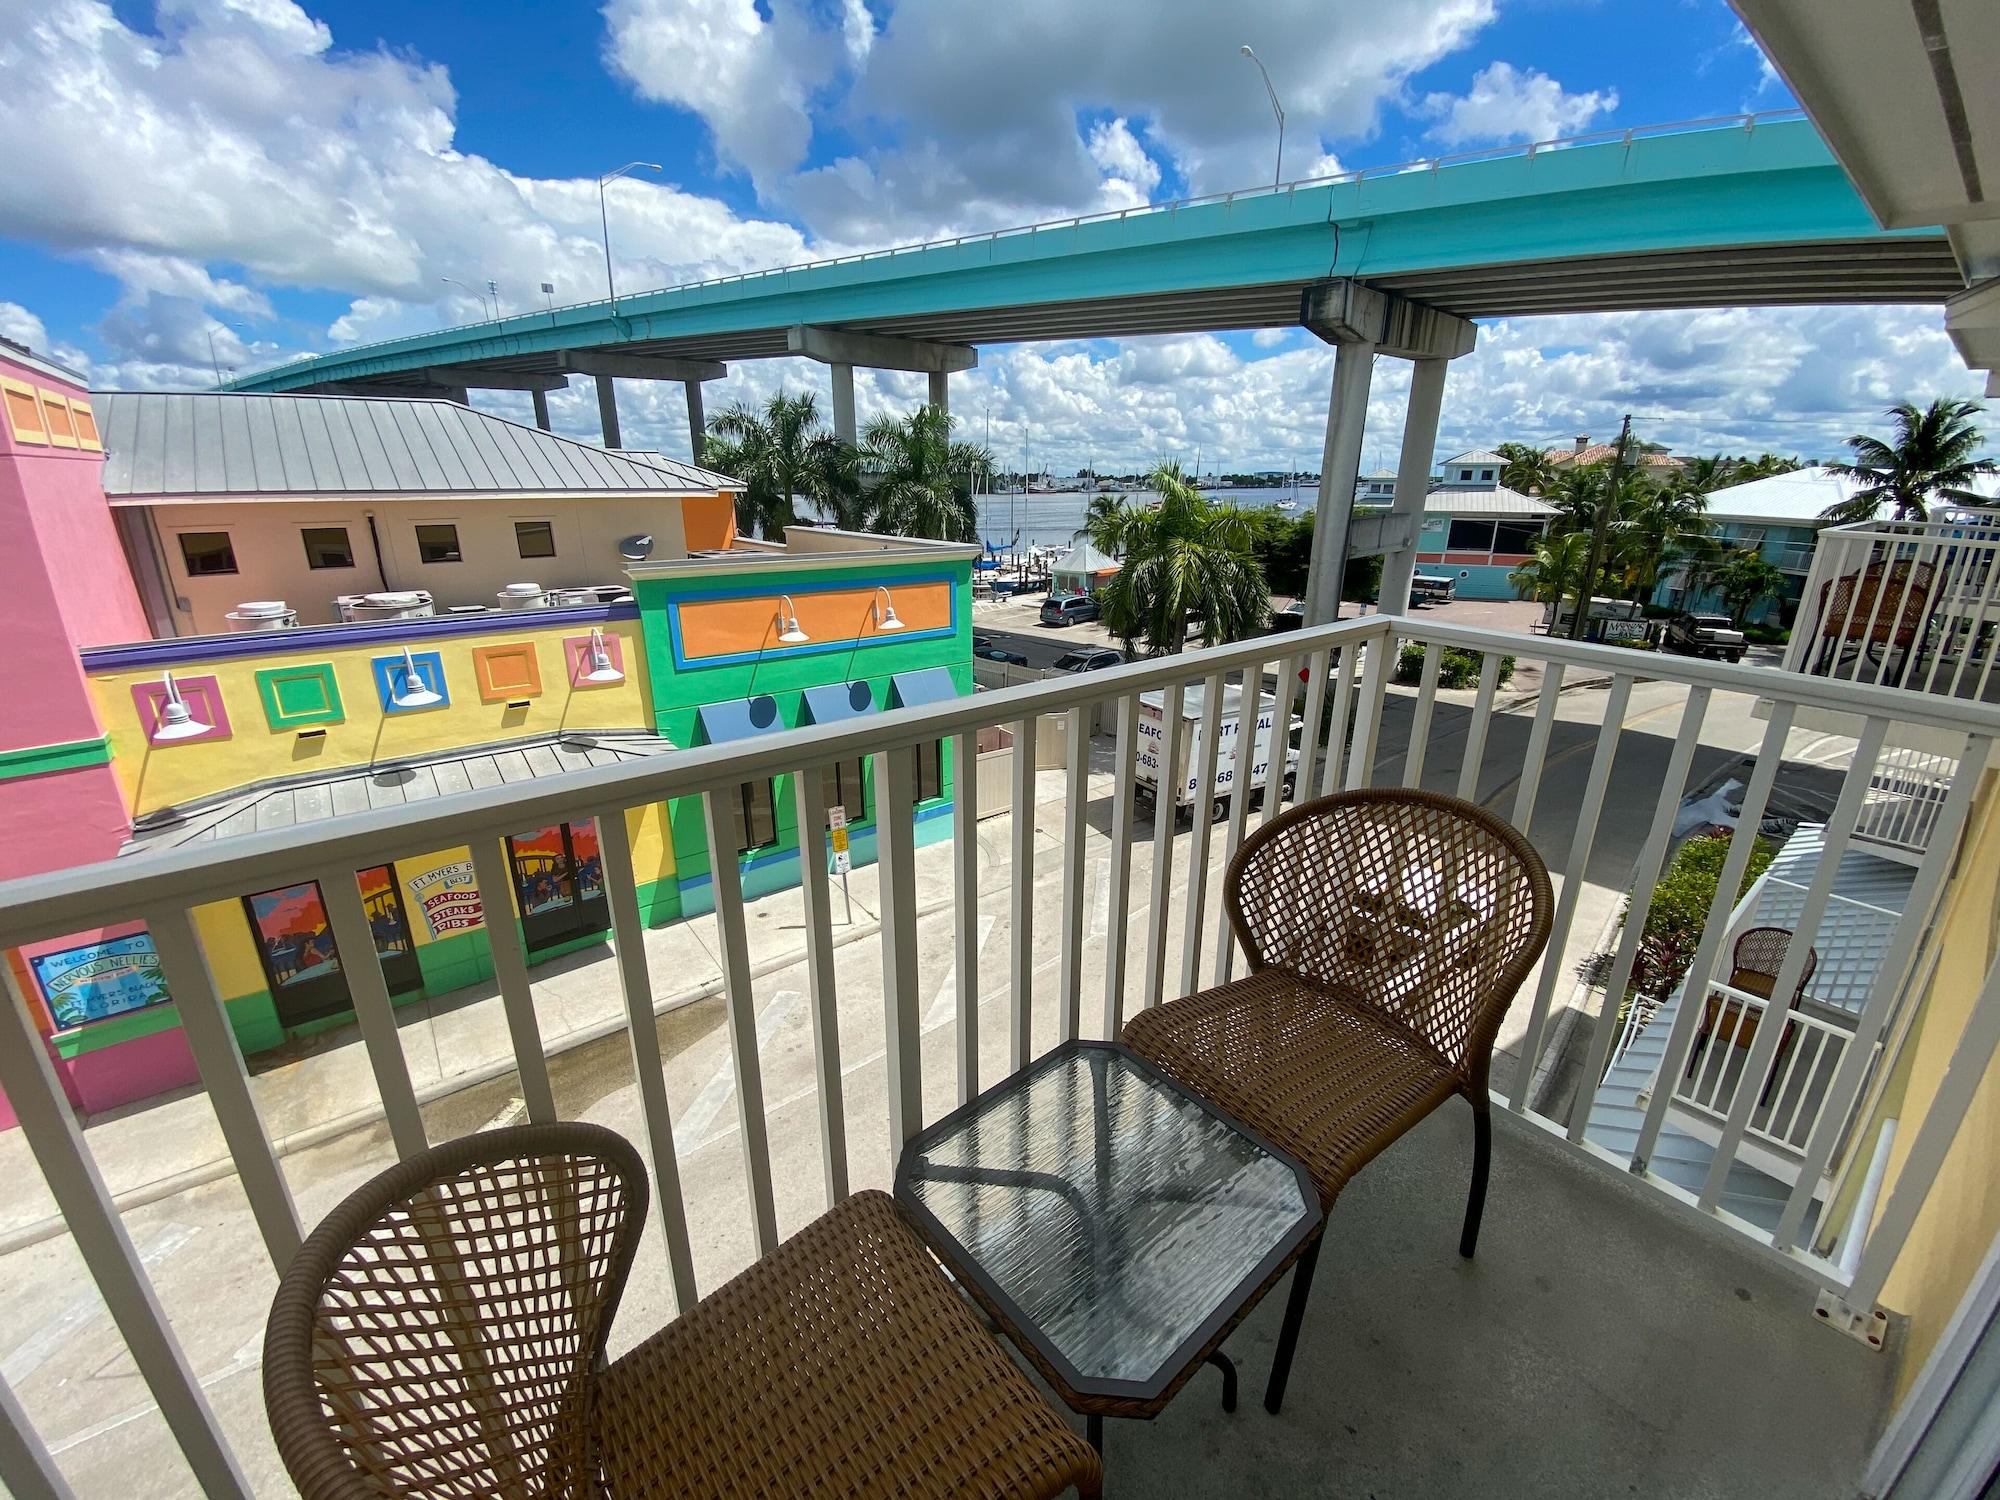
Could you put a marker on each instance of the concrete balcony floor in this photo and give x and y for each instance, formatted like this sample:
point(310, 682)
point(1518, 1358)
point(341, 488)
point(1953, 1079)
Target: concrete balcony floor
point(1600, 1345)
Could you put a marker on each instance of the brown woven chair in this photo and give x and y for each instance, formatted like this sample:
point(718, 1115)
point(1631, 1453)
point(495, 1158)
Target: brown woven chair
point(1387, 932)
point(1758, 956)
point(1884, 606)
point(442, 1334)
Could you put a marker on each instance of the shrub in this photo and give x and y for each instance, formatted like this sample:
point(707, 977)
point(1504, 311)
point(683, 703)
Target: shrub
point(1767, 635)
point(1680, 907)
point(1458, 669)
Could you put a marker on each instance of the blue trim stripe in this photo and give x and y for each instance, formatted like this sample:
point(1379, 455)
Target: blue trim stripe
point(319, 637)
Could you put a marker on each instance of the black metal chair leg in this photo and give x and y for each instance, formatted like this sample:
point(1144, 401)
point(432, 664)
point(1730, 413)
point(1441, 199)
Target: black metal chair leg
point(1482, 1160)
point(1288, 1335)
point(1227, 1365)
point(1093, 1428)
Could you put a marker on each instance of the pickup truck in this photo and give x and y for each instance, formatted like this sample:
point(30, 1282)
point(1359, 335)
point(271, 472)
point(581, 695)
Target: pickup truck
point(1705, 635)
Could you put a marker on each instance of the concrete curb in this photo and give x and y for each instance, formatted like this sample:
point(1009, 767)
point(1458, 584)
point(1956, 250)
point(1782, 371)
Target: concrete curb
point(328, 1130)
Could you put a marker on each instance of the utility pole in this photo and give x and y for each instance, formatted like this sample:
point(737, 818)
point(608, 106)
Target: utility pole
point(1600, 533)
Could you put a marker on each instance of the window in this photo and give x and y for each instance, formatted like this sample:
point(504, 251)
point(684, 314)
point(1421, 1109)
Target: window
point(207, 552)
point(327, 547)
point(1470, 536)
point(930, 770)
point(1485, 473)
point(753, 813)
point(844, 784)
point(1515, 536)
point(437, 544)
point(535, 538)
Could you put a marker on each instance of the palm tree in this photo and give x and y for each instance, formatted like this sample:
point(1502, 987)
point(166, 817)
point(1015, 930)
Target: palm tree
point(782, 454)
point(1710, 472)
point(1933, 456)
point(1191, 556)
point(1556, 569)
point(1743, 576)
point(1104, 523)
point(1655, 524)
point(1527, 470)
point(922, 479)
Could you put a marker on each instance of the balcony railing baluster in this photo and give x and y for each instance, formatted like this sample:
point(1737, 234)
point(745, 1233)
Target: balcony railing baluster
point(1166, 804)
point(374, 1014)
point(628, 938)
point(31, 1473)
point(1020, 1031)
point(1646, 878)
point(184, 966)
point(1333, 769)
point(726, 881)
point(1530, 784)
point(1473, 760)
point(1075, 887)
point(1368, 710)
point(1318, 667)
point(1118, 918)
point(1212, 689)
point(1420, 718)
point(510, 972)
point(1764, 1047)
point(902, 1008)
point(1281, 736)
point(1715, 927)
point(1574, 871)
point(965, 905)
point(1243, 756)
point(822, 992)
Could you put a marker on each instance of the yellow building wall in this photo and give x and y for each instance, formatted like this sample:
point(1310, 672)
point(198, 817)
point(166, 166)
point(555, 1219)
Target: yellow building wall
point(266, 537)
point(159, 776)
point(1961, 1215)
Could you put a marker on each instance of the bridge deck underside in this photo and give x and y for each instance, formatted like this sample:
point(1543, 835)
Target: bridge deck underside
point(1912, 269)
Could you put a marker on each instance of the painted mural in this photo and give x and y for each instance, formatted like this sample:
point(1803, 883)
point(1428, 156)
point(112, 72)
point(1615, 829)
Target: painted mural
point(294, 934)
point(449, 898)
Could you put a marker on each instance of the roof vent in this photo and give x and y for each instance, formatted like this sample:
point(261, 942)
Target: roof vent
point(524, 596)
point(636, 548)
point(262, 614)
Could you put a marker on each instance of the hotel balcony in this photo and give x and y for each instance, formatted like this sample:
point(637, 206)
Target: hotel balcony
point(1631, 1325)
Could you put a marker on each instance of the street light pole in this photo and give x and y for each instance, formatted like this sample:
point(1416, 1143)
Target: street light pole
point(476, 297)
point(1277, 172)
point(604, 220)
point(214, 363)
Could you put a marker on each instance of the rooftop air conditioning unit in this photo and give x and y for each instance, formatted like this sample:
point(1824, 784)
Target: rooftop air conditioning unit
point(262, 614)
point(412, 604)
point(524, 596)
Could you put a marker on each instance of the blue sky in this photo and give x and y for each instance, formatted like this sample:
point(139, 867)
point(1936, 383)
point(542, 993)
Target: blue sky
point(262, 178)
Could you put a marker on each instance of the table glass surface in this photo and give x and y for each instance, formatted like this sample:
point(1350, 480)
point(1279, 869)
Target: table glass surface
point(1115, 1212)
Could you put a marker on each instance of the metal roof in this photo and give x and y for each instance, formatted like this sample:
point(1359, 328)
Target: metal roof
point(304, 800)
point(1477, 456)
point(1869, 895)
point(173, 444)
point(1486, 500)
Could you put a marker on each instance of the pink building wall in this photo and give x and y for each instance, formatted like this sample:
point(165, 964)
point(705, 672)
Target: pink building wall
point(63, 584)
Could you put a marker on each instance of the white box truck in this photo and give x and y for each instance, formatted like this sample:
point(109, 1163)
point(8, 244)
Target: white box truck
point(1184, 776)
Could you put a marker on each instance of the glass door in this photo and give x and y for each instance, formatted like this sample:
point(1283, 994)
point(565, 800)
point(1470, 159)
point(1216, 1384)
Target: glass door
point(559, 881)
point(301, 962)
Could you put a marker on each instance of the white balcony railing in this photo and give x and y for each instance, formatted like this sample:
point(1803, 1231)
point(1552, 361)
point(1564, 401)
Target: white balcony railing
point(1787, 1099)
point(1907, 604)
point(1591, 733)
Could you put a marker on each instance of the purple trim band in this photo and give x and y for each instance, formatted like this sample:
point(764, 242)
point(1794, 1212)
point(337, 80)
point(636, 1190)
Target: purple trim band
point(305, 638)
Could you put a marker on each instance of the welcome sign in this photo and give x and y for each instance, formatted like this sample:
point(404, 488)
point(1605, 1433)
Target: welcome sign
point(448, 897)
point(100, 979)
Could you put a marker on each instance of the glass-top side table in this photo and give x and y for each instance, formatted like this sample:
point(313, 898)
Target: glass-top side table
point(1114, 1224)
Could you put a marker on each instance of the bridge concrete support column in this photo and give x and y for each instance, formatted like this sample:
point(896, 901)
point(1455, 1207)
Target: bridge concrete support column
point(697, 421)
point(607, 410)
point(1339, 472)
point(843, 403)
point(541, 409)
point(1413, 482)
point(940, 392)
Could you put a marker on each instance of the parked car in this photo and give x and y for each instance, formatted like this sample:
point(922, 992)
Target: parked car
point(982, 645)
point(1291, 617)
point(1068, 609)
point(1705, 635)
point(1433, 588)
point(1089, 659)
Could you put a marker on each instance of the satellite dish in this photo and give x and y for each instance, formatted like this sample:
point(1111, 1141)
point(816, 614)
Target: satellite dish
point(636, 548)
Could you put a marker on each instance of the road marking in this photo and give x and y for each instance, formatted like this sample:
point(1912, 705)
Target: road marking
point(945, 1006)
point(694, 1126)
point(248, 1356)
point(79, 1312)
point(1585, 747)
point(516, 1107)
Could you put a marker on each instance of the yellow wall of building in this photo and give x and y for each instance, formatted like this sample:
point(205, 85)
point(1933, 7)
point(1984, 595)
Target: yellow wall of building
point(1961, 1215)
point(266, 537)
point(158, 776)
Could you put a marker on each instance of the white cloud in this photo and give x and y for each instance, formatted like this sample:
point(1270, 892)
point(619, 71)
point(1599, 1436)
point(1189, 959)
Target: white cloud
point(22, 326)
point(1506, 104)
point(1130, 175)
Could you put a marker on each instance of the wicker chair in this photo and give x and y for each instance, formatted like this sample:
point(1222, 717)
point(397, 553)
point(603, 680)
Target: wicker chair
point(442, 1334)
point(1387, 932)
point(1882, 607)
point(1754, 964)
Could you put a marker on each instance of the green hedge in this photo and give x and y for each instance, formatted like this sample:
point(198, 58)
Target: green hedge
point(1679, 908)
point(1459, 667)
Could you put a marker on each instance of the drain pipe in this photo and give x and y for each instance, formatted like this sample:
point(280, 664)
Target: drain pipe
point(375, 546)
point(1855, 1240)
